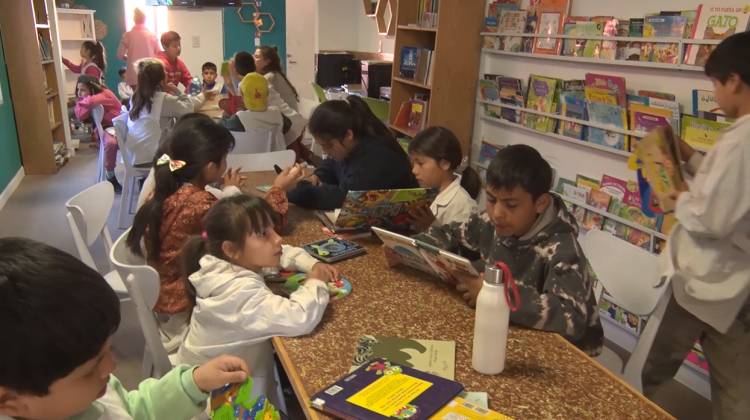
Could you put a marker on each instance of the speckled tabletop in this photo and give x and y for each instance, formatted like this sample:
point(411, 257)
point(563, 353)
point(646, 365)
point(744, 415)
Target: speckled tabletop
point(545, 376)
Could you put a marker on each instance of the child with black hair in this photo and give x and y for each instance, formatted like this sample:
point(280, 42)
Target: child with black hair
point(90, 94)
point(234, 311)
point(531, 230)
point(92, 61)
point(177, 71)
point(209, 81)
point(437, 162)
point(239, 66)
point(362, 155)
point(57, 316)
point(124, 91)
point(709, 249)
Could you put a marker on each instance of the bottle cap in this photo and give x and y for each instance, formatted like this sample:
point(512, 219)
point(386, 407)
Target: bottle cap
point(493, 275)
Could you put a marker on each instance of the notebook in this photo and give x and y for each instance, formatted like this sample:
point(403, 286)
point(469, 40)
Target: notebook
point(425, 257)
point(382, 390)
point(385, 208)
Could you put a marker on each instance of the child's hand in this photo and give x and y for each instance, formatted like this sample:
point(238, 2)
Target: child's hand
point(314, 180)
point(686, 151)
point(172, 89)
point(324, 272)
point(220, 371)
point(289, 177)
point(232, 177)
point(469, 286)
point(421, 218)
point(391, 257)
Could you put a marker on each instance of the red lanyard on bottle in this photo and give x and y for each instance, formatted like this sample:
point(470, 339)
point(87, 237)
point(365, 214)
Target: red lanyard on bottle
point(509, 286)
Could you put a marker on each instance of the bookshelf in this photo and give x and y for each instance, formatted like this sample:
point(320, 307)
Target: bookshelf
point(34, 69)
point(455, 42)
point(75, 27)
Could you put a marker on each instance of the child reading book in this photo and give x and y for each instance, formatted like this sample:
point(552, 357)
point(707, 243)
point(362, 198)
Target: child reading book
point(58, 316)
point(234, 311)
point(709, 251)
point(531, 230)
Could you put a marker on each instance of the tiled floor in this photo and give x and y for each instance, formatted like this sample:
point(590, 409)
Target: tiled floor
point(36, 210)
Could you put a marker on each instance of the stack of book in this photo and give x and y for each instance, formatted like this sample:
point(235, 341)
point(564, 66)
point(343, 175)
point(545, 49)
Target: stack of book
point(427, 13)
point(416, 64)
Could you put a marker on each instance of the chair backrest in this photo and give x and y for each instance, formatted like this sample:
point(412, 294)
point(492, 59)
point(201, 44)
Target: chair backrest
point(120, 123)
point(97, 113)
point(142, 282)
point(319, 92)
point(261, 161)
point(378, 107)
point(87, 216)
point(627, 272)
point(253, 141)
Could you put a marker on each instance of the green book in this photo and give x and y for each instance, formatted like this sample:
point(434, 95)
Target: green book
point(437, 357)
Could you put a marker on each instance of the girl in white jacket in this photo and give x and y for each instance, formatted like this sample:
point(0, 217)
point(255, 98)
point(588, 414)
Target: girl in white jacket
point(235, 312)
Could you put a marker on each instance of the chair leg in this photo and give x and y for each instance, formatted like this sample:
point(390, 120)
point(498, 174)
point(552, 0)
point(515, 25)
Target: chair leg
point(123, 219)
point(100, 163)
point(148, 363)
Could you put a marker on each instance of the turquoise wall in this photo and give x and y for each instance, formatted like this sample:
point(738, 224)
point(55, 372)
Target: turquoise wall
point(112, 14)
point(240, 36)
point(10, 155)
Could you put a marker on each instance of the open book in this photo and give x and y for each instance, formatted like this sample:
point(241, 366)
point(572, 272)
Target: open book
point(426, 257)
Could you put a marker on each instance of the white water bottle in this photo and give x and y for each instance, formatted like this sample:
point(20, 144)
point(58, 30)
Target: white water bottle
point(491, 322)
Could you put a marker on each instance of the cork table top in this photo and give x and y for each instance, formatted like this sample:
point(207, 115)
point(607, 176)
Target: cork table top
point(544, 377)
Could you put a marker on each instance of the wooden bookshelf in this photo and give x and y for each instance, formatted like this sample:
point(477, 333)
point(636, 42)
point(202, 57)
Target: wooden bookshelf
point(33, 68)
point(456, 44)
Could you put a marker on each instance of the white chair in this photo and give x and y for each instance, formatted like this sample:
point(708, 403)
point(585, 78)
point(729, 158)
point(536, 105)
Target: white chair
point(255, 162)
point(97, 114)
point(87, 217)
point(133, 174)
point(628, 273)
point(142, 282)
point(258, 141)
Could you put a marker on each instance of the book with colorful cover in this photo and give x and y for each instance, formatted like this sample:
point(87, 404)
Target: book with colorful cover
point(511, 93)
point(551, 15)
point(460, 409)
point(632, 322)
point(573, 105)
point(662, 27)
point(658, 163)
point(575, 192)
point(614, 84)
point(236, 401)
point(542, 94)
point(512, 21)
point(690, 19)
point(647, 122)
point(490, 41)
point(408, 63)
point(592, 220)
point(672, 105)
point(636, 108)
point(381, 389)
point(418, 114)
point(587, 182)
point(716, 21)
point(333, 249)
point(614, 187)
point(631, 50)
point(608, 115)
point(579, 47)
point(437, 357)
point(599, 199)
point(488, 90)
point(598, 95)
point(487, 152)
point(530, 28)
point(609, 48)
point(701, 133)
point(705, 101)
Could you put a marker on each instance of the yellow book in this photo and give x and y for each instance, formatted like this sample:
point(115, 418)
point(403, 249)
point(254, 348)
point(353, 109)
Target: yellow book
point(599, 95)
point(460, 409)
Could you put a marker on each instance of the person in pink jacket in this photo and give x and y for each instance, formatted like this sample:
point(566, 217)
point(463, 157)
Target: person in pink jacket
point(136, 44)
point(177, 71)
point(89, 94)
point(92, 61)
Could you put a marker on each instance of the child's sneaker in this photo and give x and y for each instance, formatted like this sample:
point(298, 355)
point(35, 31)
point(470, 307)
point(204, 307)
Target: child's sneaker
point(116, 184)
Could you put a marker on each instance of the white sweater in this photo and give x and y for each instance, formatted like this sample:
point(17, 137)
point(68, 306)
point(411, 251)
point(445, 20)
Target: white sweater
point(709, 249)
point(236, 313)
point(453, 204)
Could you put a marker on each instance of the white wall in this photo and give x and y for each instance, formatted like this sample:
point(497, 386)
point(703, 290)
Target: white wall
point(343, 25)
point(570, 159)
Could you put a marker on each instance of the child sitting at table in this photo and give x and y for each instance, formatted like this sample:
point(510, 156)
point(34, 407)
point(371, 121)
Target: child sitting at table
point(257, 114)
point(239, 66)
point(177, 71)
point(210, 78)
point(234, 311)
point(531, 230)
point(58, 316)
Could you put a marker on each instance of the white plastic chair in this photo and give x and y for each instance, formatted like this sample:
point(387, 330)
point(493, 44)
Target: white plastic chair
point(255, 162)
point(97, 114)
point(258, 141)
point(628, 273)
point(87, 217)
point(142, 282)
point(130, 188)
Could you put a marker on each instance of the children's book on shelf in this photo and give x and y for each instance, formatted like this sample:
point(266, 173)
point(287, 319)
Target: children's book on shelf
point(592, 220)
point(662, 27)
point(381, 389)
point(408, 63)
point(609, 48)
point(386, 208)
point(573, 105)
point(613, 84)
point(417, 115)
point(607, 115)
point(511, 21)
point(332, 250)
point(657, 160)
point(598, 199)
point(488, 90)
point(705, 101)
point(631, 50)
point(425, 257)
point(528, 43)
point(574, 192)
point(511, 93)
point(701, 133)
point(490, 41)
point(582, 47)
point(487, 152)
point(716, 21)
point(598, 95)
point(632, 323)
point(436, 357)
point(551, 15)
point(645, 123)
point(541, 96)
point(587, 182)
point(460, 409)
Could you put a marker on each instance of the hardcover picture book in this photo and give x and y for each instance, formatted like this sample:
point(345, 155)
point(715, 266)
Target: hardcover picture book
point(716, 21)
point(551, 15)
point(657, 160)
point(437, 357)
point(332, 250)
point(460, 409)
point(705, 101)
point(487, 152)
point(542, 94)
point(582, 47)
point(381, 389)
point(511, 93)
point(608, 115)
point(662, 27)
point(573, 105)
point(236, 401)
point(386, 208)
point(512, 21)
point(613, 84)
point(425, 257)
point(701, 133)
point(408, 64)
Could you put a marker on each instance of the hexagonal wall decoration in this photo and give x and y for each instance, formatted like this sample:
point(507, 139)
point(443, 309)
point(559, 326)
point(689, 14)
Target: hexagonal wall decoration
point(386, 6)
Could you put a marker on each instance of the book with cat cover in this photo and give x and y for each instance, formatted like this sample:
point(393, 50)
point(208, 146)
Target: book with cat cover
point(460, 409)
point(716, 21)
point(701, 133)
point(381, 389)
point(437, 357)
point(614, 84)
point(332, 250)
point(512, 21)
point(541, 96)
point(607, 115)
point(573, 105)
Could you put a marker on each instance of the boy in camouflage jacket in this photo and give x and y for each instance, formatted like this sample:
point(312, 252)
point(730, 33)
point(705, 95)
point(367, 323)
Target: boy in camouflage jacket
point(530, 230)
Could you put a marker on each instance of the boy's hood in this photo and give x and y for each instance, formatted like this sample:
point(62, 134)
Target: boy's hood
point(554, 221)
